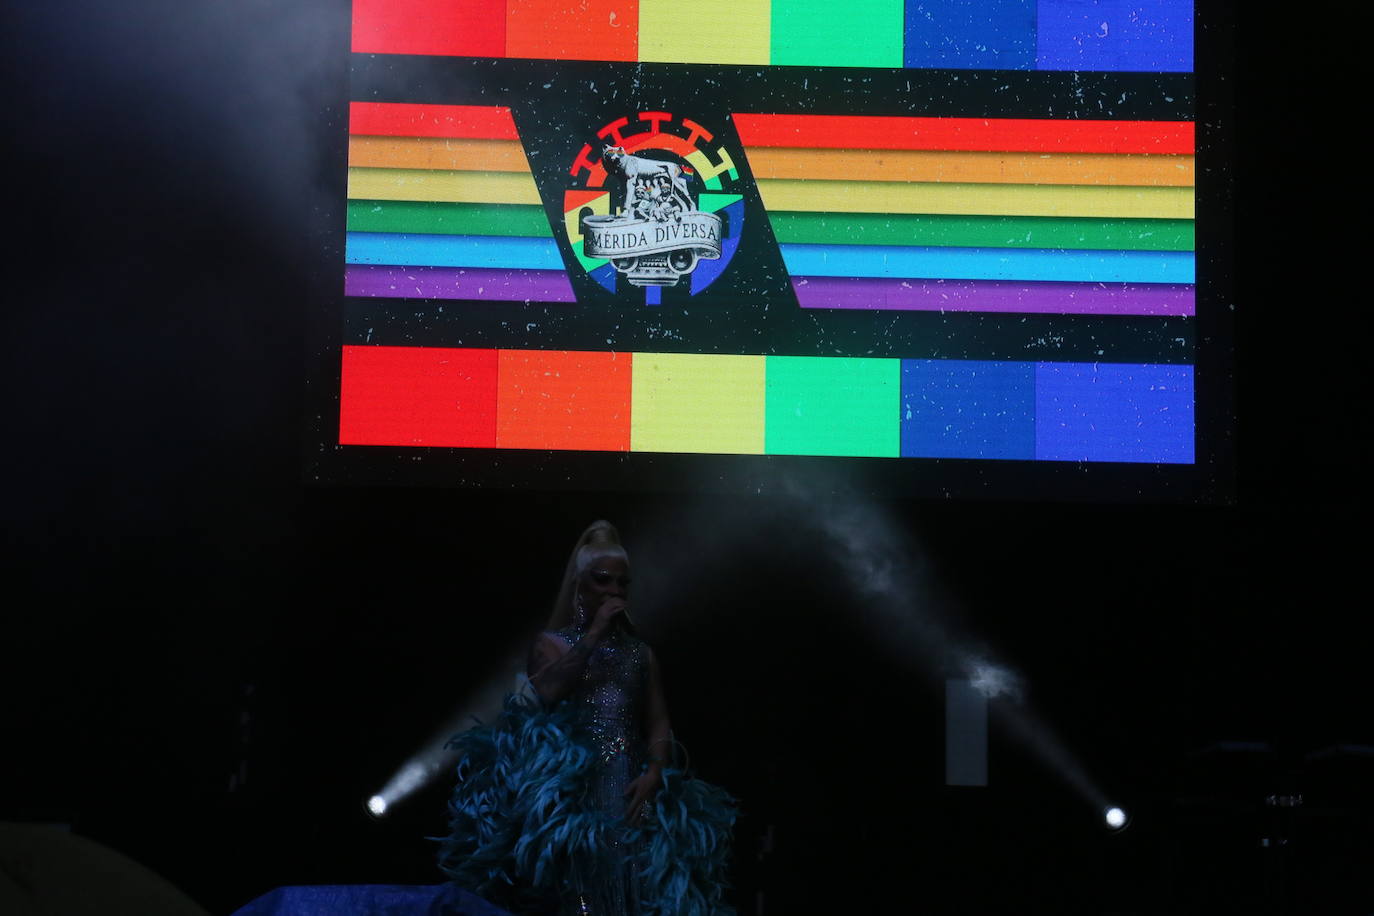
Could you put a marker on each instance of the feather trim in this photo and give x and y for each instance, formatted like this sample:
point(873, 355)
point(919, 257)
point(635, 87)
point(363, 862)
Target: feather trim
point(522, 826)
point(685, 855)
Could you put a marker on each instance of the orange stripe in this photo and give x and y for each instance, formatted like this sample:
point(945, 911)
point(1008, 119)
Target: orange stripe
point(437, 153)
point(587, 30)
point(564, 400)
point(972, 167)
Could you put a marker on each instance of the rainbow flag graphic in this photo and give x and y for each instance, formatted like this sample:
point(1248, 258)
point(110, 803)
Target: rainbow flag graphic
point(773, 405)
point(1105, 35)
point(441, 205)
point(910, 263)
point(980, 214)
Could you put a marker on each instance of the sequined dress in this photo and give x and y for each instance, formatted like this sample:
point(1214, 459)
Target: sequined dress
point(610, 702)
point(537, 815)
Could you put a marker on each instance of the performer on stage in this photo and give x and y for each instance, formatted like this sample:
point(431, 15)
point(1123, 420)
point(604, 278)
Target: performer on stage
point(571, 803)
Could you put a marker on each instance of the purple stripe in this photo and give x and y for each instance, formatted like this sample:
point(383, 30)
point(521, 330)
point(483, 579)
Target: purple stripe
point(880, 293)
point(457, 283)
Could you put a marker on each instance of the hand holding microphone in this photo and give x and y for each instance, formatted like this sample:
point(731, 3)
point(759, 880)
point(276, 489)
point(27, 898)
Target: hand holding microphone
point(611, 610)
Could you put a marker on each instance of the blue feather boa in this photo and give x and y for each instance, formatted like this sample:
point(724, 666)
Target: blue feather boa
point(522, 827)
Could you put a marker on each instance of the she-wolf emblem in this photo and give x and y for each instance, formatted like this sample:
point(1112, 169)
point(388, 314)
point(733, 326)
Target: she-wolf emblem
point(659, 235)
point(653, 189)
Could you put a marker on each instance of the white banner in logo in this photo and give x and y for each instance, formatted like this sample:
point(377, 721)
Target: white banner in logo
point(627, 237)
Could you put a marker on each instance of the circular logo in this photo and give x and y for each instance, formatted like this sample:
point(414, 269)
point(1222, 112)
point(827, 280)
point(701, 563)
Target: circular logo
point(655, 204)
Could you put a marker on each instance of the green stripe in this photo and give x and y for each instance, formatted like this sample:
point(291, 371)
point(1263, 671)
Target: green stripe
point(982, 231)
point(588, 264)
point(429, 218)
point(714, 203)
point(860, 33)
point(824, 406)
point(808, 228)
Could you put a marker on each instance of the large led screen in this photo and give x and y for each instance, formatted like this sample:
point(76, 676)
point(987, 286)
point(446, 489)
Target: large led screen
point(910, 232)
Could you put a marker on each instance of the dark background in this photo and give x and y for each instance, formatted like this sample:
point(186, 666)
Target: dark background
point(183, 606)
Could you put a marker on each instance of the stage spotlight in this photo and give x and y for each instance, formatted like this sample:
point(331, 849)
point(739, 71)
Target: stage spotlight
point(435, 760)
point(1115, 819)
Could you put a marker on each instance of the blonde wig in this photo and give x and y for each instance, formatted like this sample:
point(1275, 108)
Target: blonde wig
point(599, 540)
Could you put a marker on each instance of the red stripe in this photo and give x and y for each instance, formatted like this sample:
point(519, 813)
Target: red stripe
point(457, 28)
point(391, 119)
point(1032, 135)
point(436, 396)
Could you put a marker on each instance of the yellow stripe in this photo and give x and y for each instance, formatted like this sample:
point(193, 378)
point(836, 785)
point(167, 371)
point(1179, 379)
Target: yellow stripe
point(705, 31)
point(979, 199)
point(978, 167)
point(437, 153)
point(697, 402)
point(572, 218)
point(456, 187)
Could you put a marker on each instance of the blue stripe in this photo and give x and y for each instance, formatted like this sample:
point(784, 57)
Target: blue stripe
point(954, 408)
point(452, 251)
point(987, 35)
point(989, 263)
point(1114, 412)
point(1150, 35)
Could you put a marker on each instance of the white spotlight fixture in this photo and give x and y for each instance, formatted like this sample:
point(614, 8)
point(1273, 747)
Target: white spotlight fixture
point(1115, 818)
point(377, 805)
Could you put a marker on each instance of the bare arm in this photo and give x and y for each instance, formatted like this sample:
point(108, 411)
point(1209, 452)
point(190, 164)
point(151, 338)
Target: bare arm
point(555, 667)
point(657, 726)
point(639, 795)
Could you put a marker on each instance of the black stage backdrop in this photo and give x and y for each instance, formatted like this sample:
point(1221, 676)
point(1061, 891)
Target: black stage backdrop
point(209, 665)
